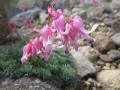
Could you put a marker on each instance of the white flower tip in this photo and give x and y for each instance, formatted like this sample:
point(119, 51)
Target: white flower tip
point(93, 28)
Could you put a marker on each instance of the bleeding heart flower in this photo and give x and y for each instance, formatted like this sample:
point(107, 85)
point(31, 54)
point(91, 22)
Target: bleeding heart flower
point(54, 14)
point(82, 2)
point(12, 25)
point(22, 7)
point(27, 23)
point(29, 51)
point(95, 2)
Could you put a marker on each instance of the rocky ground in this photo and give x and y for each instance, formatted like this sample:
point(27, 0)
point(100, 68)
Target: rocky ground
point(97, 64)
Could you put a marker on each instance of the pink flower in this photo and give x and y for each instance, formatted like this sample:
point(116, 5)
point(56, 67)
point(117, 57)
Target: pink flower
point(12, 25)
point(77, 30)
point(77, 24)
point(22, 7)
point(60, 26)
point(54, 14)
point(29, 51)
point(47, 51)
point(82, 2)
point(37, 43)
point(95, 2)
point(46, 35)
point(27, 23)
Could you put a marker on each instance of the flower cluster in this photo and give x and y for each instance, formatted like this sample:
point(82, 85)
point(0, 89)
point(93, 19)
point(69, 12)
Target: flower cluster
point(58, 28)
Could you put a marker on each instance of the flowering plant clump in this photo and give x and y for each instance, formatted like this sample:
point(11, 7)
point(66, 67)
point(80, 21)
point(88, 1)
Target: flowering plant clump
point(58, 28)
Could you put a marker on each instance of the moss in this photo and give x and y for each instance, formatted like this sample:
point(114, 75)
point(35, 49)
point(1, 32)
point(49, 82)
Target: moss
point(57, 71)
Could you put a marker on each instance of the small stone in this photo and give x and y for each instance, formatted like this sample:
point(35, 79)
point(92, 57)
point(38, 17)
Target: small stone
point(106, 68)
point(81, 13)
point(110, 78)
point(91, 53)
point(81, 63)
point(66, 12)
point(116, 25)
point(7, 81)
point(103, 43)
point(106, 58)
point(115, 54)
point(43, 17)
point(116, 39)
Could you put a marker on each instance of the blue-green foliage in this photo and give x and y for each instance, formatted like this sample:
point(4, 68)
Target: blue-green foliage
point(57, 71)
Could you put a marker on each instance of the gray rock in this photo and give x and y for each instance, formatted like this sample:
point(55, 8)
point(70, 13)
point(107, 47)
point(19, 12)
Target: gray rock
point(115, 4)
point(66, 12)
point(103, 43)
point(110, 78)
point(26, 83)
point(7, 81)
point(95, 13)
point(116, 25)
point(43, 17)
point(19, 19)
point(76, 10)
point(81, 13)
point(91, 53)
point(14, 11)
point(63, 4)
point(106, 58)
point(115, 54)
point(116, 39)
point(33, 5)
point(81, 63)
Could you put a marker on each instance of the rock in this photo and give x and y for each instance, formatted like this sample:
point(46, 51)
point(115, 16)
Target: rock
point(14, 11)
point(116, 39)
point(63, 4)
point(19, 19)
point(76, 10)
point(91, 53)
point(110, 78)
point(33, 5)
point(81, 13)
point(43, 17)
point(116, 25)
point(106, 58)
point(103, 43)
point(115, 4)
point(81, 63)
point(7, 81)
point(115, 54)
point(94, 13)
point(108, 21)
point(26, 83)
point(66, 12)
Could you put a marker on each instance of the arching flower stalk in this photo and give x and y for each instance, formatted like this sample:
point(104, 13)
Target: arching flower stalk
point(68, 31)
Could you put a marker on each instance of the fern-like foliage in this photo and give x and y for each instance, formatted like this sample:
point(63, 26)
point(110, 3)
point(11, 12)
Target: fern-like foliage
point(57, 71)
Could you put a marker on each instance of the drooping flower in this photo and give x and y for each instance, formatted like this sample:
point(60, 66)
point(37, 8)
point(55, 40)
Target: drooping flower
point(54, 14)
point(77, 31)
point(12, 25)
point(47, 51)
point(95, 2)
point(27, 23)
point(29, 51)
point(82, 2)
point(22, 7)
point(60, 26)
